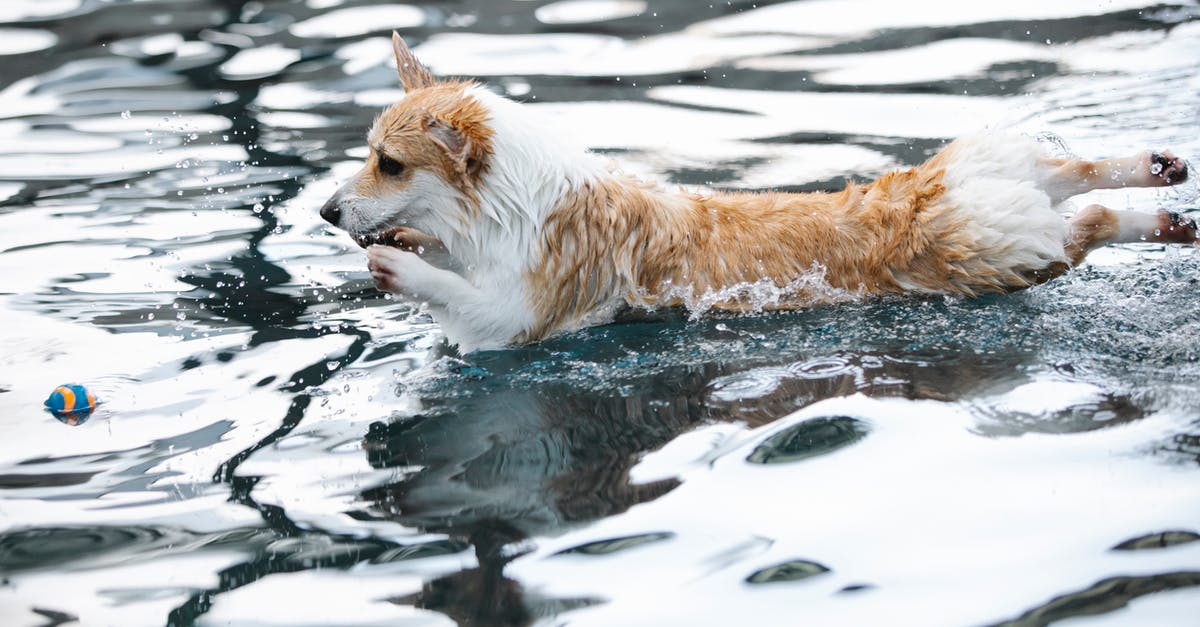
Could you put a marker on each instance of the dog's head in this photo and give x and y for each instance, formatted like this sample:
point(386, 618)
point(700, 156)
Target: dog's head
point(428, 155)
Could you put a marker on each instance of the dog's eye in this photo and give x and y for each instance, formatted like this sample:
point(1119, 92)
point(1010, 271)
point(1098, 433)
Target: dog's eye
point(389, 166)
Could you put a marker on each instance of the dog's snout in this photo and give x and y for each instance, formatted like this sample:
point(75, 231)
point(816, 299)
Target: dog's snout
point(331, 212)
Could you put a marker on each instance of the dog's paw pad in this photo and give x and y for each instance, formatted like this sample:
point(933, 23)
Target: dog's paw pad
point(1171, 170)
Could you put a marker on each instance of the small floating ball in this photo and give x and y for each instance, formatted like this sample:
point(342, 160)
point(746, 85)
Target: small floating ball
point(71, 398)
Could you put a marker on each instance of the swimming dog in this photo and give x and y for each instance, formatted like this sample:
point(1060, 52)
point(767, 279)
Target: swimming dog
point(510, 234)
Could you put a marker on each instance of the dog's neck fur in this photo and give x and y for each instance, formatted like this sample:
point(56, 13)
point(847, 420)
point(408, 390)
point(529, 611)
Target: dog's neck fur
point(530, 172)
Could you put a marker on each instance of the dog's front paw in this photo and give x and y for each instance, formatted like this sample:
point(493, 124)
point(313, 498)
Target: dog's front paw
point(413, 241)
point(394, 270)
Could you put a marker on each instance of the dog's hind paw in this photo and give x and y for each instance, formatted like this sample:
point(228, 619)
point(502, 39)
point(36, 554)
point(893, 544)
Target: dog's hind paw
point(1174, 228)
point(1167, 168)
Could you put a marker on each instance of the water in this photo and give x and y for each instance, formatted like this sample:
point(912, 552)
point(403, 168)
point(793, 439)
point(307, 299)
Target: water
point(280, 444)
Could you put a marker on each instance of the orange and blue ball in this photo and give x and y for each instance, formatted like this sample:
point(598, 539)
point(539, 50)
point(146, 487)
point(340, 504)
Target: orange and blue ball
point(71, 398)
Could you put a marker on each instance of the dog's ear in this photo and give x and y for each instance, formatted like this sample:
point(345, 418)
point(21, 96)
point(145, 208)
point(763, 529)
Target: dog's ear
point(466, 154)
point(413, 75)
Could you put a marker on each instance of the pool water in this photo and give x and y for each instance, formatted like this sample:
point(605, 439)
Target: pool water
point(280, 444)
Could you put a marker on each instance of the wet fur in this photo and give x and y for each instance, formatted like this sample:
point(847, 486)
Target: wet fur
point(511, 234)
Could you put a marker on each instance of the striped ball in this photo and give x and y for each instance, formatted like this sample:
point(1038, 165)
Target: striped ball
point(70, 397)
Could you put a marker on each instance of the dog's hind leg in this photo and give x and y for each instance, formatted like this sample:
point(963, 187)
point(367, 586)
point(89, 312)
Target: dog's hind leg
point(1063, 178)
point(1095, 226)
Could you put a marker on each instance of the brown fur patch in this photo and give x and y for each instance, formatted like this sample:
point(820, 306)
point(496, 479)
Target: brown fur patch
point(1090, 228)
point(622, 236)
point(438, 128)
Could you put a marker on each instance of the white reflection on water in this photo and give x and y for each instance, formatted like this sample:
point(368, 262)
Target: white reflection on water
point(359, 21)
point(19, 10)
point(586, 11)
point(589, 55)
point(259, 62)
point(946, 530)
point(21, 41)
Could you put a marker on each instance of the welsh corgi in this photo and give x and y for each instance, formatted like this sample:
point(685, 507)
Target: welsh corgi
point(510, 234)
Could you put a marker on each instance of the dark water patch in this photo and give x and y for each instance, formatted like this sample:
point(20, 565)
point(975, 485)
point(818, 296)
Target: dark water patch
point(1184, 446)
point(475, 596)
point(1159, 540)
point(436, 548)
point(794, 570)
point(54, 617)
point(1103, 597)
point(11, 481)
point(616, 545)
point(885, 374)
point(715, 172)
point(484, 595)
point(315, 550)
point(988, 336)
point(273, 553)
point(811, 438)
point(905, 150)
point(52, 547)
point(1038, 31)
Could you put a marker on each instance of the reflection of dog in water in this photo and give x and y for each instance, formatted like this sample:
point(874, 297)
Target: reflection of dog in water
point(510, 234)
point(517, 463)
point(493, 470)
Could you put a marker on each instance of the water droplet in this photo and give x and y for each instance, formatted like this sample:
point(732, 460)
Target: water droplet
point(332, 365)
point(125, 115)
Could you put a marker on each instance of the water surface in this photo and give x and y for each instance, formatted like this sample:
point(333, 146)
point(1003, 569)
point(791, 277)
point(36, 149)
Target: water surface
point(279, 443)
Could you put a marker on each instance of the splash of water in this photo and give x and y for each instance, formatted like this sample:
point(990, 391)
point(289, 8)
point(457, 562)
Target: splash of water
point(806, 290)
point(1055, 145)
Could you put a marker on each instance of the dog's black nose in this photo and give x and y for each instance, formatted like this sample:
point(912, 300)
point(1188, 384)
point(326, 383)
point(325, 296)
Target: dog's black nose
point(330, 212)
